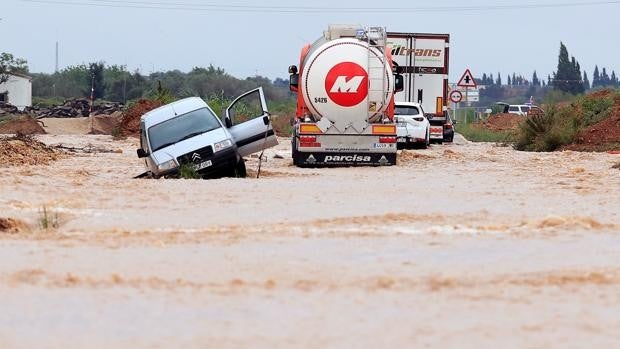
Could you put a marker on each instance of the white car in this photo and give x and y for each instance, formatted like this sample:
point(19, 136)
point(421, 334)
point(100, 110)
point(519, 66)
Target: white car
point(188, 133)
point(519, 109)
point(412, 127)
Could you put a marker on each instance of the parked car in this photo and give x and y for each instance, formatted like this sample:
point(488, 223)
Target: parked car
point(448, 130)
point(188, 133)
point(412, 127)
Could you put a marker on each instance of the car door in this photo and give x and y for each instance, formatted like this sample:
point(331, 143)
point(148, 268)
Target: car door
point(247, 120)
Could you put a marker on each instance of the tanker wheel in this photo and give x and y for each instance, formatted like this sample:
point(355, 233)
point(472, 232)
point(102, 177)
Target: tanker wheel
point(294, 152)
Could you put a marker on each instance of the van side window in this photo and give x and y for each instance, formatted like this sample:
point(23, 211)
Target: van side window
point(513, 108)
point(246, 108)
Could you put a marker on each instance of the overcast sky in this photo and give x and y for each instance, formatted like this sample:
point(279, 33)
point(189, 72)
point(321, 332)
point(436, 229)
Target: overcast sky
point(235, 36)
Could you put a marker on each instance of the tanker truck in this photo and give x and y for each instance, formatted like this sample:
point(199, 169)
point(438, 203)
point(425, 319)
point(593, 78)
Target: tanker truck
point(345, 88)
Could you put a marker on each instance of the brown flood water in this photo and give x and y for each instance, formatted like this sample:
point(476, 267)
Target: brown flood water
point(459, 246)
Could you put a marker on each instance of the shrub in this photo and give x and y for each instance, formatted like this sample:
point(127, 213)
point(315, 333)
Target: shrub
point(187, 171)
point(548, 131)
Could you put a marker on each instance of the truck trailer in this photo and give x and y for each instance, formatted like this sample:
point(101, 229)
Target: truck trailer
point(345, 88)
point(423, 59)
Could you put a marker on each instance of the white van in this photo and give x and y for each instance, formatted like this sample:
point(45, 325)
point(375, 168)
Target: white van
point(518, 109)
point(188, 133)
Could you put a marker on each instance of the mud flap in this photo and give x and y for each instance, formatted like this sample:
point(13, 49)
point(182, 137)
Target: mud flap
point(343, 159)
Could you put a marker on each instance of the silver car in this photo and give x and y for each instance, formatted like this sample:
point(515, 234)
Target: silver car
point(188, 133)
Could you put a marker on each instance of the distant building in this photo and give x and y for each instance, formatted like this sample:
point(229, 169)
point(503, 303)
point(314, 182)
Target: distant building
point(17, 91)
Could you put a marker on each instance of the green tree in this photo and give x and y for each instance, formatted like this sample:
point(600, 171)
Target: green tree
point(568, 74)
point(10, 64)
point(96, 79)
point(586, 82)
point(535, 80)
point(596, 78)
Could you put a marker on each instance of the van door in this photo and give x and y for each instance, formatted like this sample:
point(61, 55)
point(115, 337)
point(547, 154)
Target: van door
point(248, 121)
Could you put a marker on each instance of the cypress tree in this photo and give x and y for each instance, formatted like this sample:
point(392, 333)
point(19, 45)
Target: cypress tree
point(568, 75)
point(535, 81)
point(604, 78)
point(499, 79)
point(586, 82)
point(596, 78)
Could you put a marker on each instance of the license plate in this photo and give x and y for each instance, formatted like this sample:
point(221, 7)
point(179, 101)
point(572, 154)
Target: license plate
point(401, 124)
point(401, 140)
point(382, 145)
point(202, 165)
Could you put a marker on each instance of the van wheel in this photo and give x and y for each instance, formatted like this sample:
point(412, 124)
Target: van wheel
point(240, 170)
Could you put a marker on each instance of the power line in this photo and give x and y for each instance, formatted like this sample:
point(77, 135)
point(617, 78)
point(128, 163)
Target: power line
point(213, 7)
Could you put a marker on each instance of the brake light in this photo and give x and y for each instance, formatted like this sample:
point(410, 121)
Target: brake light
point(387, 139)
point(448, 125)
point(308, 141)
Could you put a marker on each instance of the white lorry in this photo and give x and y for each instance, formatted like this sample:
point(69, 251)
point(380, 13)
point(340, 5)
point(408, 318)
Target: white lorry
point(345, 86)
point(424, 61)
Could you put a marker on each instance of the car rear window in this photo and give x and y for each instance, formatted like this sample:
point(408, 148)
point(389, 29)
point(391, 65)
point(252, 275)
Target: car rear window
point(406, 110)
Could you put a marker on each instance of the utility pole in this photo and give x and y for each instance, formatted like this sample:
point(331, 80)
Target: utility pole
point(92, 100)
point(56, 57)
point(124, 85)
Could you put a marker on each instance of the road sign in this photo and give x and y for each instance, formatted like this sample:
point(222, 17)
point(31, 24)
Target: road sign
point(467, 80)
point(456, 96)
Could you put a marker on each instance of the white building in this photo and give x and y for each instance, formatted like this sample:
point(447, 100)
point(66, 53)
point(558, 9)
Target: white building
point(17, 91)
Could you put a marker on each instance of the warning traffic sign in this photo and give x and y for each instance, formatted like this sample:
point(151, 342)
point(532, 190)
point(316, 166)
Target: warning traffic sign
point(467, 80)
point(456, 96)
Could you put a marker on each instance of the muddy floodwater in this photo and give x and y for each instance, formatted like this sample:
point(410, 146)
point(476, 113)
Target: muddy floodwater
point(463, 245)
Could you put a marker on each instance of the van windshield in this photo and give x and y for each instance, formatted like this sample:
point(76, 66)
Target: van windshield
point(182, 127)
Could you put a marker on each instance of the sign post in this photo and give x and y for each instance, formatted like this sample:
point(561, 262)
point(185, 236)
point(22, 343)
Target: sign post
point(467, 80)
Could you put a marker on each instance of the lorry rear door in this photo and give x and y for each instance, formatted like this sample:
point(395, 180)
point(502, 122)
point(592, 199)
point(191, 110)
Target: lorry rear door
point(248, 122)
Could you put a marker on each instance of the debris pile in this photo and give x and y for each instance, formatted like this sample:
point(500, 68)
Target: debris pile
point(25, 150)
point(130, 121)
point(72, 108)
point(6, 108)
point(502, 122)
point(23, 125)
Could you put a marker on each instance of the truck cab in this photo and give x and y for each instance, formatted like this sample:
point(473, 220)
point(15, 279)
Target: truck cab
point(187, 133)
